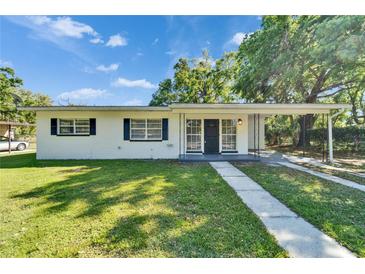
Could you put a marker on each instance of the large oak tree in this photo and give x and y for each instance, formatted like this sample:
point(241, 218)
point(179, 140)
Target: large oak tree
point(303, 59)
point(199, 80)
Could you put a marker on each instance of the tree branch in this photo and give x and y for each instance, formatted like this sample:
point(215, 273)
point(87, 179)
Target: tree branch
point(331, 94)
point(336, 85)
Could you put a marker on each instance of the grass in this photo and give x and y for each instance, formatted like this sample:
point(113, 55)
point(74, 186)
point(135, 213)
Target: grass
point(117, 208)
point(335, 209)
point(338, 173)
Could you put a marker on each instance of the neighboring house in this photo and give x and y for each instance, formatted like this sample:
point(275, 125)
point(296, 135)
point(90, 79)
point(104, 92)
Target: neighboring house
point(168, 132)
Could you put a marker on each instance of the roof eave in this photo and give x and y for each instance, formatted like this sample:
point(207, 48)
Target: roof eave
point(263, 106)
point(95, 108)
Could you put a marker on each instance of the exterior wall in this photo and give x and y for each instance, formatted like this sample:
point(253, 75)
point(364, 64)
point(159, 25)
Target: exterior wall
point(251, 132)
point(108, 142)
point(242, 130)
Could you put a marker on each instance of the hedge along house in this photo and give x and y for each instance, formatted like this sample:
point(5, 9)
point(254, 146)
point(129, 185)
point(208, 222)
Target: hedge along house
point(177, 131)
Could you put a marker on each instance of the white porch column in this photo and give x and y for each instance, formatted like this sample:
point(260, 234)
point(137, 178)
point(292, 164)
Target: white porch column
point(182, 133)
point(330, 145)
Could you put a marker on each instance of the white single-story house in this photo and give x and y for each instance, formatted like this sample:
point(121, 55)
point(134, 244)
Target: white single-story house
point(164, 132)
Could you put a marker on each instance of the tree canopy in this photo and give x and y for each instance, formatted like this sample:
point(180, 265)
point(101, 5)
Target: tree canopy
point(302, 58)
point(9, 84)
point(199, 80)
point(13, 95)
point(305, 59)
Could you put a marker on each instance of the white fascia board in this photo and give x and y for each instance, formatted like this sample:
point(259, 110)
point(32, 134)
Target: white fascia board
point(262, 106)
point(96, 108)
point(257, 108)
point(252, 111)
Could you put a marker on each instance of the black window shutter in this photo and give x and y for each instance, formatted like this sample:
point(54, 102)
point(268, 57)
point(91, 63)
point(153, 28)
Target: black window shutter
point(92, 126)
point(165, 129)
point(126, 128)
point(53, 126)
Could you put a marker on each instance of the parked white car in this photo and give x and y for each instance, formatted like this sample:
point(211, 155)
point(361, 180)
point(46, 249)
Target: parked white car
point(15, 145)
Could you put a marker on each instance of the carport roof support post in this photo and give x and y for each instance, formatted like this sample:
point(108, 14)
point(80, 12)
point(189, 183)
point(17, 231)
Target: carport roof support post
point(330, 145)
point(330, 141)
point(9, 137)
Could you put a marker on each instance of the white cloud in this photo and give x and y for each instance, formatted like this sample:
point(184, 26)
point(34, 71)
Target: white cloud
point(170, 52)
point(133, 102)
point(111, 67)
point(39, 20)
point(238, 38)
point(63, 26)
point(116, 41)
point(155, 42)
point(139, 54)
point(87, 70)
point(5, 63)
point(96, 40)
point(143, 83)
point(61, 31)
point(82, 94)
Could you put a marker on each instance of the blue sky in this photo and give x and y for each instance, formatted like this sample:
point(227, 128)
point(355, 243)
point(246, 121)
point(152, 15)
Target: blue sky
point(111, 60)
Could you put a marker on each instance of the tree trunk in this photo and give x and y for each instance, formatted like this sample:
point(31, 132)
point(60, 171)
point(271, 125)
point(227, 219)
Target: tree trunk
point(293, 134)
point(306, 122)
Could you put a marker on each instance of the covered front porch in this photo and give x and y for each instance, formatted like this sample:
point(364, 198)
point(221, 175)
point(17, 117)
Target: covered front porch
point(228, 132)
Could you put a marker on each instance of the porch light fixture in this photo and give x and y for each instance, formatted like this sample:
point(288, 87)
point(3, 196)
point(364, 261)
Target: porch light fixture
point(239, 121)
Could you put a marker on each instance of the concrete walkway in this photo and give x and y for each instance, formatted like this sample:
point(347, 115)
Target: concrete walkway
point(293, 233)
point(325, 176)
point(317, 163)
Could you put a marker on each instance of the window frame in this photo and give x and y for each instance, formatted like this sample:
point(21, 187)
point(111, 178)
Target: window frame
point(74, 133)
point(229, 134)
point(200, 136)
point(145, 128)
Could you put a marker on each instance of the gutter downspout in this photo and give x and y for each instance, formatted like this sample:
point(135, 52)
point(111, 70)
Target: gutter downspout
point(330, 145)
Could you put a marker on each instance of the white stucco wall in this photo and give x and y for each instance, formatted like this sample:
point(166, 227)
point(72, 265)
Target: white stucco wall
point(108, 142)
point(251, 130)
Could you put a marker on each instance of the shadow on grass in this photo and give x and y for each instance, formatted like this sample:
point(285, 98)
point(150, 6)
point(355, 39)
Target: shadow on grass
point(178, 210)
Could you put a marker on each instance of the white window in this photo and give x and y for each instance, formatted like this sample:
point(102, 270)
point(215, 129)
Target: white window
point(146, 129)
point(229, 135)
point(193, 135)
point(74, 126)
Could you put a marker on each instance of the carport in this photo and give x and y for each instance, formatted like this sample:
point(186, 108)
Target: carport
point(330, 111)
point(6, 128)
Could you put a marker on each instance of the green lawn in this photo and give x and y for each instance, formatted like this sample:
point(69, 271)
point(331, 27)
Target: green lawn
point(115, 208)
point(337, 210)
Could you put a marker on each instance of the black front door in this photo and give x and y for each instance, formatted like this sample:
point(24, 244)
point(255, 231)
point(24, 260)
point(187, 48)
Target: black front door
point(211, 136)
